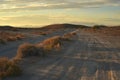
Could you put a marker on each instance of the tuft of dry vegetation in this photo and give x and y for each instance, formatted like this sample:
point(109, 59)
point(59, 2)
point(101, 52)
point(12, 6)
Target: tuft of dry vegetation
point(40, 33)
point(69, 36)
point(52, 43)
point(55, 43)
point(11, 68)
point(105, 31)
point(9, 36)
point(48, 45)
point(99, 26)
point(27, 50)
point(8, 68)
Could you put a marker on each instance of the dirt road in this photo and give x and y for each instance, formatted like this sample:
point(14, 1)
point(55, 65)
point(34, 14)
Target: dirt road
point(87, 58)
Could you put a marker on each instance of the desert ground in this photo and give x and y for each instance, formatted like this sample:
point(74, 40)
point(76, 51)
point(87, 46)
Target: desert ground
point(93, 54)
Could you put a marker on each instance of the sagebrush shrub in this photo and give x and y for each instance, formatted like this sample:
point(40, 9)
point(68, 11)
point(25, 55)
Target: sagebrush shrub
point(52, 43)
point(69, 36)
point(8, 68)
point(27, 50)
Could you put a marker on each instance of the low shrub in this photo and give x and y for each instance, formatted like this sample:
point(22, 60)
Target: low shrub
point(10, 38)
point(40, 33)
point(27, 50)
point(14, 38)
point(19, 37)
point(99, 26)
point(52, 43)
point(69, 36)
point(73, 33)
point(8, 68)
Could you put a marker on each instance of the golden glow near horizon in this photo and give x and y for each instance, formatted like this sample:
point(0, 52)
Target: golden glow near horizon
point(44, 12)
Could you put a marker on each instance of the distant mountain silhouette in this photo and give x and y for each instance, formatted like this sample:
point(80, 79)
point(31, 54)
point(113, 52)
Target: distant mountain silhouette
point(6, 27)
point(55, 26)
point(59, 26)
point(52, 26)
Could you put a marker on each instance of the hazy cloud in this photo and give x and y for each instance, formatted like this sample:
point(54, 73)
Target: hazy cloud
point(112, 19)
point(21, 5)
point(35, 19)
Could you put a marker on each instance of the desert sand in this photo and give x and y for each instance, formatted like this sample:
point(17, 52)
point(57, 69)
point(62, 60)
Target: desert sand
point(89, 56)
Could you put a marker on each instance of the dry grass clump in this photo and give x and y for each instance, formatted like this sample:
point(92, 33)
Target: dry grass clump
point(8, 68)
point(106, 31)
point(19, 36)
point(15, 37)
point(27, 50)
point(52, 43)
point(69, 36)
point(73, 33)
point(40, 33)
point(9, 36)
point(99, 26)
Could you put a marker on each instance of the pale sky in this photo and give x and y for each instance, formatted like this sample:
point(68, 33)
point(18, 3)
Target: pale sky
point(45, 12)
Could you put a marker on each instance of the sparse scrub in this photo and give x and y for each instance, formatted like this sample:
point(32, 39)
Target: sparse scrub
point(73, 33)
point(19, 37)
point(8, 68)
point(69, 36)
point(27, 50)
point(52, 43)
point(15, 37)
point(99, 26)
point(9, 36)
point(105, 31)
point(40, 33)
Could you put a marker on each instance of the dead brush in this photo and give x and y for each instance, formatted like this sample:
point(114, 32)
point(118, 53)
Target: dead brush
point(73, 33)
point(8, 68)
point(27, 50)
point(8, 36)
point(50, 44)
point(69, 36)
point(53, 43)
point(19, 36)
point(15, 37)
point(40, 33)
point(11, 38)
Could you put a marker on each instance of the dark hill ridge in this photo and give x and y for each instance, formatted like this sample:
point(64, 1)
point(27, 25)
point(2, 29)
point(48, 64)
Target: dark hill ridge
point(59, 26)
point(6, 27)
point(53, 26)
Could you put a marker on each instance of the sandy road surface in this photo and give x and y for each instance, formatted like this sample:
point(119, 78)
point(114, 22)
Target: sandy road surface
point(87, 58)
